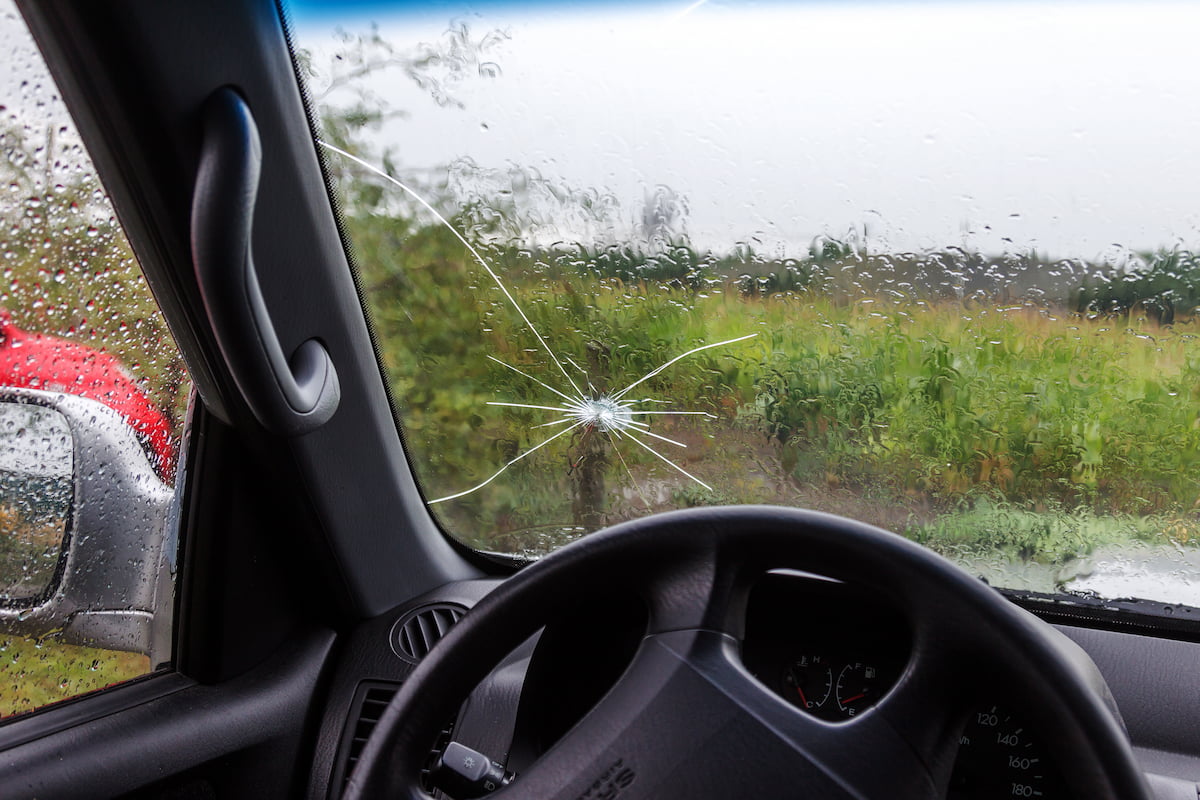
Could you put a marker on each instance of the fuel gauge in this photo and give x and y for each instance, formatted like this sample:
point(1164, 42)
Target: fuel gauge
point(858, 688)
point(808, 682)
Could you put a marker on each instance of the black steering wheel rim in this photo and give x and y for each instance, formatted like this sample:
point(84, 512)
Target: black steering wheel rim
point(694, 569)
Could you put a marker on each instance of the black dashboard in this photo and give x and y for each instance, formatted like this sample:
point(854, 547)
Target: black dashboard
point(828, 649)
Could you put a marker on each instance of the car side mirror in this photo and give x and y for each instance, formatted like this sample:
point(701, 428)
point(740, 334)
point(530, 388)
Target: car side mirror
point(86, 549)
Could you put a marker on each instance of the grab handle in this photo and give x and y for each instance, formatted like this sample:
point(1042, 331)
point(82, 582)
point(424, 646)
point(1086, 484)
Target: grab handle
point(288, 397)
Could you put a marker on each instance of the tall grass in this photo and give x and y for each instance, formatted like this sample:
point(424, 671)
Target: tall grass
point(949, 405)
point(958, 402)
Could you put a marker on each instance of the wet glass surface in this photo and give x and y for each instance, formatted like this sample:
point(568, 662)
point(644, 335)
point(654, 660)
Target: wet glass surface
point(76, 318)
point(866, 258)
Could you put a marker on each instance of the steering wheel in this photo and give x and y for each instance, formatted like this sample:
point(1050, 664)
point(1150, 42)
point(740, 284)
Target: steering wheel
point(687, 720)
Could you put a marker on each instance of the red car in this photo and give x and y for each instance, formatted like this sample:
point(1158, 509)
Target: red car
point(50, 363)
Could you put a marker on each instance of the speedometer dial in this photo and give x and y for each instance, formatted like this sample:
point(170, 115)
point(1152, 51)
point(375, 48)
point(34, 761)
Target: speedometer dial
point(998, 757)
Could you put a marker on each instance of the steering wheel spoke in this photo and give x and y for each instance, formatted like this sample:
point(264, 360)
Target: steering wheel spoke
point(704, 590)
point(739, 740)
point(927, 709)
point(864, 757)
point(631, 740)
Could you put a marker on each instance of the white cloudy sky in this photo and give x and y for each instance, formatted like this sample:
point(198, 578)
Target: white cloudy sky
point(1070, 128)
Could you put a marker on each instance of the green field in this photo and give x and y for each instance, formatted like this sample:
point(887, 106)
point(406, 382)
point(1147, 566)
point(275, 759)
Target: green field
point(979, 423)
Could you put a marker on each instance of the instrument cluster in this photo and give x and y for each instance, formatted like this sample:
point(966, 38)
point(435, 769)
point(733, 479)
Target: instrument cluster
point(834, 650)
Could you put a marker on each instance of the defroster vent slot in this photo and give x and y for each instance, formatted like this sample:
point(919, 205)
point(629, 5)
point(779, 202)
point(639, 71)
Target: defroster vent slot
point(370, 700)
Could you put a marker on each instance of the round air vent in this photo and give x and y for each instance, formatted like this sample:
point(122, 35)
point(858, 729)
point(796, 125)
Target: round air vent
point(420, 629)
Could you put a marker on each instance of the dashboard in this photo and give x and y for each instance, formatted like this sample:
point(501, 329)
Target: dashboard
point(828, 649)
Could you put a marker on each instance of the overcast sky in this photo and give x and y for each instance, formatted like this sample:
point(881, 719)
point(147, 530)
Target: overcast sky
point(1063, 127)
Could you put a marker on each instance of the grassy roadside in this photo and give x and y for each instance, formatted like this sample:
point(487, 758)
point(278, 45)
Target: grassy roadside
point(36, 673)
point(945, 406)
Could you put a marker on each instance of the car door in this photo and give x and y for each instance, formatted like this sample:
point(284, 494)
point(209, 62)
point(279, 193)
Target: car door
point(279, 523)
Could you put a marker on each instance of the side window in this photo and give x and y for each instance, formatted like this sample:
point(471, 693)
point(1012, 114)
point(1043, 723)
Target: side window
point(92, 399)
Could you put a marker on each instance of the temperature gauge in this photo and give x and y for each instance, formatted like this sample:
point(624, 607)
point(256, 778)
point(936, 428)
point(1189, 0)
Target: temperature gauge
point(808, 682)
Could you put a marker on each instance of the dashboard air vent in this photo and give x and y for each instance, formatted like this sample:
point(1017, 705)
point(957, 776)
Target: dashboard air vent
point(415, 634)
point(370, 700)
point(369, 703)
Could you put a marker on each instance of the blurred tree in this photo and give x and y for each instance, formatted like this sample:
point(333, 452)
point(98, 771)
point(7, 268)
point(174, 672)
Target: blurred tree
point(350, 108)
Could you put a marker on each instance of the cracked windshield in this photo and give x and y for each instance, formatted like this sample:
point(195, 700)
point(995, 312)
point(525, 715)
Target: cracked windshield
point(932, 266)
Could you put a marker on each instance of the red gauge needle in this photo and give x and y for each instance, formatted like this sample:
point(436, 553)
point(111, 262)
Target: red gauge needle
point(852, 699)
point(803, 699)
